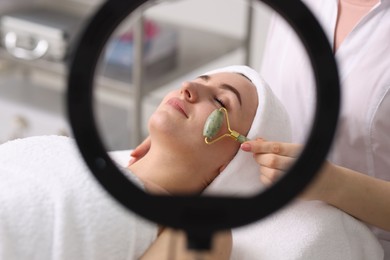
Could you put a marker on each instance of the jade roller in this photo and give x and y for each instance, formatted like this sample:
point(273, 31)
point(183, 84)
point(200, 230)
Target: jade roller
point(213, 125)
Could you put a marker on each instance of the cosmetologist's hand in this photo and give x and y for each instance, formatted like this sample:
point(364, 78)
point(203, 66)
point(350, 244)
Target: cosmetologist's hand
point(140, 151)
point(275, 158)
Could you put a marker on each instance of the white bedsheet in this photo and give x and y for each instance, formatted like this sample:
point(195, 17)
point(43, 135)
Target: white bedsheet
point(69, 216)
point(306, 230)
point(52, 208)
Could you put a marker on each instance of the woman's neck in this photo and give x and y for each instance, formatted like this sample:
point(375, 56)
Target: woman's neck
point(163, 172)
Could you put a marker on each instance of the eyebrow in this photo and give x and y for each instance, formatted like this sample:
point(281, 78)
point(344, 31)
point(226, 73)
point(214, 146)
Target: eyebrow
point(225, 86)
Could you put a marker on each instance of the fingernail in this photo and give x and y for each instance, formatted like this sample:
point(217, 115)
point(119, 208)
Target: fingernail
point(131, 161)
point(246, 147)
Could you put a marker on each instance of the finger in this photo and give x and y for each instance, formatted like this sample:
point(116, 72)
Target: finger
point(271, 174)
point(131, 161)
point(264, 180)
point(141, 149)
point(274, 161)
point(261, 146)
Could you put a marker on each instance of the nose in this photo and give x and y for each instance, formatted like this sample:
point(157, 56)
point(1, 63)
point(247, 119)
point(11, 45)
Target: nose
point(190, 91)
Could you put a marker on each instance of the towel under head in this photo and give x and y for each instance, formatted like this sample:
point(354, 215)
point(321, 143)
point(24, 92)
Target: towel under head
point(271, 122)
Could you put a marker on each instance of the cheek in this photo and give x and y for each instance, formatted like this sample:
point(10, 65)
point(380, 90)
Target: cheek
point(201, 114)
point(222, 151)
point(238, 124)
point(246, 124)
point(243, 123)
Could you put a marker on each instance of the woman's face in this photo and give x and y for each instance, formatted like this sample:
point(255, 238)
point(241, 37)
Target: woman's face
point(180, 118)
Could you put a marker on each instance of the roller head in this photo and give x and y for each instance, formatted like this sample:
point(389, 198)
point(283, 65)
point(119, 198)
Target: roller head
point(213, 123)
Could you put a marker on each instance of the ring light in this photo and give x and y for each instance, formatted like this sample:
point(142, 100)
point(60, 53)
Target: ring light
point(200, 215)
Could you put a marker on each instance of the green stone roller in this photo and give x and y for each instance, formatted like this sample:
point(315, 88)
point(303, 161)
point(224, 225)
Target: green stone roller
point(213, 125)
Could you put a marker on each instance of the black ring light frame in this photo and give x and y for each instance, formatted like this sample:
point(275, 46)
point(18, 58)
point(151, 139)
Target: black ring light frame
point(200, 216)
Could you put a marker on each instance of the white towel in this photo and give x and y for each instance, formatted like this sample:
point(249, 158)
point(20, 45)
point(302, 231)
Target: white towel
point(51, 207)
point(271, 122)
point(306, 230)
point(300, 231)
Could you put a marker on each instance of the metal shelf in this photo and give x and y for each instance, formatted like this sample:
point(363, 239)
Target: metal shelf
point(195, 48)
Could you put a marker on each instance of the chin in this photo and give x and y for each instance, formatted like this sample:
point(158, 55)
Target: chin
point(160, 121)
point(162, 127)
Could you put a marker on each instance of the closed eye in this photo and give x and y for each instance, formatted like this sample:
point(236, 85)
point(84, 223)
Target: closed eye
point(220, 102)
point(225, 87)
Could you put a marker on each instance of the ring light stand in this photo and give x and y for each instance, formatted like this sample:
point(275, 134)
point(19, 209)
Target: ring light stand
point(200, 216)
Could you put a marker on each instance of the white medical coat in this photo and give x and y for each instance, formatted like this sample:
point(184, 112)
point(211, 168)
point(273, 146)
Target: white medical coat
point(363, 138)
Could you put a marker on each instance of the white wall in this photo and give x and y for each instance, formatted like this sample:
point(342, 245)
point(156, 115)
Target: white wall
point(260, 28)
point(228, 17)
point(222, 16)
point(6, 5)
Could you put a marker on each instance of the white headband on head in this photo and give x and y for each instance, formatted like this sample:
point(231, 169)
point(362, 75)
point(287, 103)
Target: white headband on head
point(271, 122)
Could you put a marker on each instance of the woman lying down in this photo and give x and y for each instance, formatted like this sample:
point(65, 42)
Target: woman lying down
point(52, 208)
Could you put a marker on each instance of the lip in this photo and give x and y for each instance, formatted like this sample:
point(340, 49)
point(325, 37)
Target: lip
point(178, 104)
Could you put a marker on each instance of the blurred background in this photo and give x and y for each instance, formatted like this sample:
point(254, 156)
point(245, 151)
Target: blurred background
point(181, 39)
